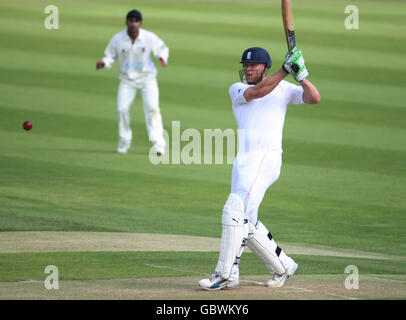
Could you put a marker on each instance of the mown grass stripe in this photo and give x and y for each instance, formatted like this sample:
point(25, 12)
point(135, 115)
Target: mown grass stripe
point(116, 265)
point(224, 67)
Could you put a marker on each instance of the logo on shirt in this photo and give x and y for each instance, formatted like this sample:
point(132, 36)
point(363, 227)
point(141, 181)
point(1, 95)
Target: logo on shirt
point(135, 66)
point(143, 50)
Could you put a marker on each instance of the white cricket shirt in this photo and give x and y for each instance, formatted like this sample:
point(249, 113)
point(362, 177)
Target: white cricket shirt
point(260, 121)
point(135, 58)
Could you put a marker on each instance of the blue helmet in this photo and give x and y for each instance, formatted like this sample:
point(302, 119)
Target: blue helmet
point(257, 55)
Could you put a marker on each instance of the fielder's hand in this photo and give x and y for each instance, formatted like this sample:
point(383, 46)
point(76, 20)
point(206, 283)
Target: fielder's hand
point(99, 65)
point(295, 65)
point(162, 62)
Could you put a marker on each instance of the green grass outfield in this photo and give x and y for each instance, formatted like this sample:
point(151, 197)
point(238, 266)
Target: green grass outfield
point(343, 180)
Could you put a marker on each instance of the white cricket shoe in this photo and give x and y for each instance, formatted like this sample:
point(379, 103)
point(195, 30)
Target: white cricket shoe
point(217, 282)
point(278, 281)
point(123, 147)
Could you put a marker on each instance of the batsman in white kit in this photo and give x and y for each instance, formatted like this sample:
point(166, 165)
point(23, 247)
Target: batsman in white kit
point(259, 105)
point(133, 48)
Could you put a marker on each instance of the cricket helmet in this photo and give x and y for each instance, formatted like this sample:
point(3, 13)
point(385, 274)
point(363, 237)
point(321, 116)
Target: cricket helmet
point(256, 55)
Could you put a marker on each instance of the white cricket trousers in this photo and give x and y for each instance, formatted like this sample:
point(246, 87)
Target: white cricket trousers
point(127, 91)
point(253, 173)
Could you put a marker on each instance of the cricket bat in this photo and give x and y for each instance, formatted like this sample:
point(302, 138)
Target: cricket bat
point(288, 25)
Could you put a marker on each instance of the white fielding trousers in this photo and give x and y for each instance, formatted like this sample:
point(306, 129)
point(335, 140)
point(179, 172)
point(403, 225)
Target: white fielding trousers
point(253, 173)
point(127, 91)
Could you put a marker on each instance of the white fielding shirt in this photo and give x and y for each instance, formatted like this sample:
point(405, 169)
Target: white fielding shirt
point(260, 121)
point(135, 58)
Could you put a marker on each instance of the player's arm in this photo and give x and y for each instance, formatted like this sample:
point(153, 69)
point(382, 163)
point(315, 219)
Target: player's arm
point(110, 55)
point(310, 93)
point(160, 50)
point(262, 88)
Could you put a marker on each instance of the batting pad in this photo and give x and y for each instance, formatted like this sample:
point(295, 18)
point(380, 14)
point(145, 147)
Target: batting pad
point(264, 247)
point(232, 234)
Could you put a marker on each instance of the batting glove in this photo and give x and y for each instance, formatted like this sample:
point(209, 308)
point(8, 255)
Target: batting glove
point(287, 66)
point(295, 65)
point(301, 75)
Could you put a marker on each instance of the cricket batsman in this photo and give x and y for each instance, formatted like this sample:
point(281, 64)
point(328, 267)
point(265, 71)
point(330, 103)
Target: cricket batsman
point(133, 48)
point(259, 104)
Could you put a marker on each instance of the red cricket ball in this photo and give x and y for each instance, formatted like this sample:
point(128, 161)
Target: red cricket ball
point(27, 125)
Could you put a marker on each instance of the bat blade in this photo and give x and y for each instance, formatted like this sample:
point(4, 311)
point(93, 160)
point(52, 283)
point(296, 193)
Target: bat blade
point(288, 25)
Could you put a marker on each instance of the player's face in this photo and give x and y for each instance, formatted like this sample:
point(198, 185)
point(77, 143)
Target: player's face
point(253, 71)
point(133, 24)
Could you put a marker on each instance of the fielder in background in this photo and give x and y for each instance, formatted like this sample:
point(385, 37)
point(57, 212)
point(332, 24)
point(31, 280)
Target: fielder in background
point(259, 105)
point(133, 47)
